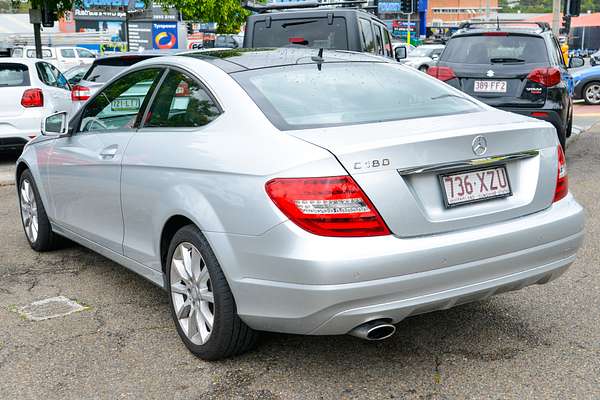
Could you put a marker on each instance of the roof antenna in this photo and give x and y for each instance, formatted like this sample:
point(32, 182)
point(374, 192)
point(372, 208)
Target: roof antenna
point(319, 59)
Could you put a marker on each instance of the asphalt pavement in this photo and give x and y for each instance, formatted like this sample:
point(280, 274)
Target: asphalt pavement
point(542, 342)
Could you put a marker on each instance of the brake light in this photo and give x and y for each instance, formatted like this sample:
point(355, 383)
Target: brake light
point(495, 34)
point(442, 73)
point(80, 93)
point(32, 98)
point(562, 179)
point(330, 206)
point(545, 76)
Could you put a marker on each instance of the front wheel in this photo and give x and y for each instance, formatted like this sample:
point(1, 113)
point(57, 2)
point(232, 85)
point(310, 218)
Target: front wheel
point(591, 93)
point(201, 301)
point(423, 68)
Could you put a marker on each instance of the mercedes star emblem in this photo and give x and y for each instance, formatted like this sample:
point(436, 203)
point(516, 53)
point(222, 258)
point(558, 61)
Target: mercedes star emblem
point(479, 145)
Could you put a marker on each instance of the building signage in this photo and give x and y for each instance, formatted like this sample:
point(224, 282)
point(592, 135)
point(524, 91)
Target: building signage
point(164, 35)
point(140, 36)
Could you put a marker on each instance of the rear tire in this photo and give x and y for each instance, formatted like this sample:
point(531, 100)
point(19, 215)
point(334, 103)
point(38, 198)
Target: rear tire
point(591, 93)
point(36, 224)
point(201, 302)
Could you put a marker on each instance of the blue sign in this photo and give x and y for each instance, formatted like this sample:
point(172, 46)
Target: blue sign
point(390, 7)
point(164, 35)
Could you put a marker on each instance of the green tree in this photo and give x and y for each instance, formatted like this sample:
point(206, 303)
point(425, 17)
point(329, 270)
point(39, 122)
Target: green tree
point(228, 14)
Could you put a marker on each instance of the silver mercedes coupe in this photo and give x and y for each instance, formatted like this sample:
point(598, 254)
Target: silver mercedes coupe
point(301, 191)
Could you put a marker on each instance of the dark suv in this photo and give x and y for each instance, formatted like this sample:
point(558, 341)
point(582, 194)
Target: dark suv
point(516, 67)
point(318, 26)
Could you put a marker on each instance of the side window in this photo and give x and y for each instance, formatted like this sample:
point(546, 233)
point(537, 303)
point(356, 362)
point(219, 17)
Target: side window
point(387, 43)
point(85, 53)
point(118, 105)
point(367, 36)
point(67, 53)
point(558, 51)
point(378, 39)
point(17, 53)
point(45, 74)
point(181, 102)
point(60, 80)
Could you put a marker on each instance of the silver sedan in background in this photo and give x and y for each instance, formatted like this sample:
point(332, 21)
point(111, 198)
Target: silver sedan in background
point(301, 192)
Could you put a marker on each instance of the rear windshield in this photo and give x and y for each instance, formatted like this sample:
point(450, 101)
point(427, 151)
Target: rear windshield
point(14, 75)
point(495, 49)
point(302, 96)
point(309, 32)
point(104, 70)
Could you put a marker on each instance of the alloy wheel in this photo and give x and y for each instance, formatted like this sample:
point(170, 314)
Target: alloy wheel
point(29, 211)
point(592, 93)
point(192, 294)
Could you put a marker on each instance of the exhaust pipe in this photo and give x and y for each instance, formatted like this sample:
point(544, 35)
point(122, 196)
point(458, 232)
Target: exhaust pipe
point(374, 330)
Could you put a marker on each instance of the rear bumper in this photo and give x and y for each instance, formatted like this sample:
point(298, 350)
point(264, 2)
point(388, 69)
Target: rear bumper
point(552, 116)
point(291, 281)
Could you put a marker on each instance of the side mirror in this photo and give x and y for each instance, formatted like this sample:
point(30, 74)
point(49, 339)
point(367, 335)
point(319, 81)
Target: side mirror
point(435, 57)
point(55, 124)
point(400, 53)
point(576, 62)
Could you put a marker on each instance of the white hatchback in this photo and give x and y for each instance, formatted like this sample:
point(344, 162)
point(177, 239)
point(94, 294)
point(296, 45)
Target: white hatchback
point(30, 89)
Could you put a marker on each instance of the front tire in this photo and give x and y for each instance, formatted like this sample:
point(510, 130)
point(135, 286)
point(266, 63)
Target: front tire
point(423, 68)
point(36, 224)
point(201, 302)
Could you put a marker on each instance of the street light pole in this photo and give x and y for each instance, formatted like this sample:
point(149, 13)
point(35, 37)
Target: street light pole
point(556, 16)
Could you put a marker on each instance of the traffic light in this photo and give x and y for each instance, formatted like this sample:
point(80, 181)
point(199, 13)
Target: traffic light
point(566, 28)
point(572, 7)
point(190, 28)
point(408, 6)
point(49, 14)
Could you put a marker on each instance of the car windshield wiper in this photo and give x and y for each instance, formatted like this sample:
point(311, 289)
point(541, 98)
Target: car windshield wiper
point(506, 60)
point(444, 96)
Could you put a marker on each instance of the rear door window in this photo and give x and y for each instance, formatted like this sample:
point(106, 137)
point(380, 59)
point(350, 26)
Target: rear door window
point(481, 49)
point(14, 75)
point(181, 102)
point(67, 53)
point(45, 74)
point(309, 32)
point(367, 36)
point(85, 53)
point(45, 53)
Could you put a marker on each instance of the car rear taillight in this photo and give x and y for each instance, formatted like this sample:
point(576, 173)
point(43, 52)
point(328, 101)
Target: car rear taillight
point(545, 76)
point(33, 98)
point(442, 73)
point(80, 93)
point(495, 33)
point(562, 179)
point(330, 206)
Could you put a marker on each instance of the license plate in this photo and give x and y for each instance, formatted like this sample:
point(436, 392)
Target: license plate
point(473, 186)
point(125, 104)
point(490, 86)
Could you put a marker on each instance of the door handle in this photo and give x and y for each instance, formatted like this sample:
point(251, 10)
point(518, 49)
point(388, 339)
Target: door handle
point(109, 152)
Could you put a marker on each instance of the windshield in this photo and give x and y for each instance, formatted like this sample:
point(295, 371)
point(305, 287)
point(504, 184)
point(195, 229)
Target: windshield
point(309, 32)
point(421, 52)
point(302, 96)
point(495, 49)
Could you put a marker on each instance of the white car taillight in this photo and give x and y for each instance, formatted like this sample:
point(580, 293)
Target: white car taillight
point(33, 98)
point(562, 179)
point(80, 93)
point(330, 206)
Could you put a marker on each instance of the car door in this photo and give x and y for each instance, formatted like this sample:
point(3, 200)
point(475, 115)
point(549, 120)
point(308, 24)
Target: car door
point(178, 120)
point(56, 88)
point(85, 167)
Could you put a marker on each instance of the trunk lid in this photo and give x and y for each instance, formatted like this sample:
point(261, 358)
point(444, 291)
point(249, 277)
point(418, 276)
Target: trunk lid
point(398, 164)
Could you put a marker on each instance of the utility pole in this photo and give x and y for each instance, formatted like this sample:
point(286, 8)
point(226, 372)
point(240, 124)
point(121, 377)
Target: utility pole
point(556, 16)
point(35, 18)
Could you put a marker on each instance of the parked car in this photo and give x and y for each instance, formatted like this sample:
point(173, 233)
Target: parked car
point(423, 56)
point(229, 41)
point(29, 90)
point(257, 210)
point(62, 57)
point(518, 68)
point(318, 26)
point(595, 59)
point(75, 74)
point(587, 85)
point(104, 69)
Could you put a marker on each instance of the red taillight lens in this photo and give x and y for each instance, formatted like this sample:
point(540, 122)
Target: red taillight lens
point(80, 93)
point(331, 206)
point(32, 98)
point(545, 76)
point(442, 73)
point(562, 179)
point(495, 33)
